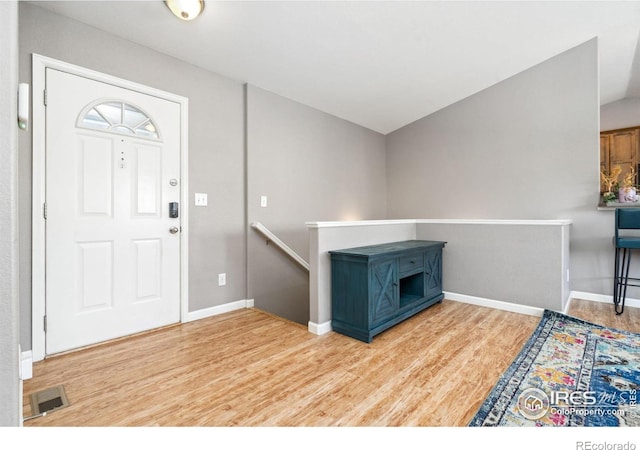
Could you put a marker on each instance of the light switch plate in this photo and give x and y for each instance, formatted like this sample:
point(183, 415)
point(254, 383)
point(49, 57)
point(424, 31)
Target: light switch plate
point(263, 201)
point(201, 199)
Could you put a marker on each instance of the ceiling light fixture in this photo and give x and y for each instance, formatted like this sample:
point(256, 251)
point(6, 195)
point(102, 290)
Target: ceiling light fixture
point(185, 9)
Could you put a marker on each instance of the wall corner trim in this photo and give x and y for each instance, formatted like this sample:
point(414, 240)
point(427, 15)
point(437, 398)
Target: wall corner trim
point(26, 365)
point(319, 328)
point(567, 305)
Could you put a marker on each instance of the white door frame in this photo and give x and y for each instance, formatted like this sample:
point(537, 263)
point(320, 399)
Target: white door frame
point(38, 273)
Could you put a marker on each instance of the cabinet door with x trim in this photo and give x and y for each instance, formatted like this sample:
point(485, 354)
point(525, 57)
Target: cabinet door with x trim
point(384, 291)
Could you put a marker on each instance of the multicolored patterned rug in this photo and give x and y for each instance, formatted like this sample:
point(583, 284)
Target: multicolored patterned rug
point(569, 373)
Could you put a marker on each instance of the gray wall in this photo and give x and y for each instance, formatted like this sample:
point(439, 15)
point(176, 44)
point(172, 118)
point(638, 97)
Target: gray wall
point(524, 264)
point(311, 166)
point(621, 114)
point(10, 388)
point(526, 148)
point(216, 149)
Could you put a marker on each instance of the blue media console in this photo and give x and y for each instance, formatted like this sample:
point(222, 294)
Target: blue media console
point(375, 287)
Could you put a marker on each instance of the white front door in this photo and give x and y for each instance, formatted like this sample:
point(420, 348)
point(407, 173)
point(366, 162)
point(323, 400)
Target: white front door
point(112, 247)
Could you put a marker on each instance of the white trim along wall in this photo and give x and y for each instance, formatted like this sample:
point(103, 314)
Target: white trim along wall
point(602, 298)
point(219, 309)
point(40, 64)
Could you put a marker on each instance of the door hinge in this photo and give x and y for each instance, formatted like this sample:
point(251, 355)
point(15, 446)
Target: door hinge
point(44, 97)
point(44, 210)
point(45, 323)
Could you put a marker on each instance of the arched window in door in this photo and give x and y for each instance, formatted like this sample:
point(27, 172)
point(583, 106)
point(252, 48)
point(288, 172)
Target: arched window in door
point(114, 116)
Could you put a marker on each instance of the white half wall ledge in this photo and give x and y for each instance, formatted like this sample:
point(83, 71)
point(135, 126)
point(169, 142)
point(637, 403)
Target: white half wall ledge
point(533, 222)
point(360, 223)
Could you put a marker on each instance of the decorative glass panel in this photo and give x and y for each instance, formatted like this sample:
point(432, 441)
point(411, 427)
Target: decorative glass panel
point(111, 111)
point(118, 117)
point(94, 120)
point(133, 117)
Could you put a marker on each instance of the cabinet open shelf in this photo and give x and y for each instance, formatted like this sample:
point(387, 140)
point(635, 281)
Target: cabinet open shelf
point(411, 289)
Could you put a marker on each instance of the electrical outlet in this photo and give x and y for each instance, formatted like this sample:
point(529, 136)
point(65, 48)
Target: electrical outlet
point(222, 279)
point(263, 201)
point(201, 199)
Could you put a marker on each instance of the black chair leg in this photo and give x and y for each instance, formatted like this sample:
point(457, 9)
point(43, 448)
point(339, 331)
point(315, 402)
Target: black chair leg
point(616, 278)
point(621, 278)
point(622, 284)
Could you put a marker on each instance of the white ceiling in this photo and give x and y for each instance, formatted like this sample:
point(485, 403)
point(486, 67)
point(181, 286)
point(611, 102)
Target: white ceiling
point(380, 64)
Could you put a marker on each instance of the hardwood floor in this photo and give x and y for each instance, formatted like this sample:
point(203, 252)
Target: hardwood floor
point(249, 368)
point(603, 314)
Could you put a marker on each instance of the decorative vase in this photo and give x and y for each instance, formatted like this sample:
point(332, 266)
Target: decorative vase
point(627, 194)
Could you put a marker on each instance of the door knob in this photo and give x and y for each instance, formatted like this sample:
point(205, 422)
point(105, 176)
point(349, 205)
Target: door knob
point(173, 230)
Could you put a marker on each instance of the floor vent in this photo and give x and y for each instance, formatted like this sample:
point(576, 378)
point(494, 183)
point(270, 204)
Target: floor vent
point(48, 400)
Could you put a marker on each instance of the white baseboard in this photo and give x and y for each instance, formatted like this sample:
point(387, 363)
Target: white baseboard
point(602, 298)
point(26, 365)
point(219, 309)
point(496, 304)
point(319, 328)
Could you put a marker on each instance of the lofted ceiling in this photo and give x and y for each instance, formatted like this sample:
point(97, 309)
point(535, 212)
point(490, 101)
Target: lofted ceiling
point(380, 64)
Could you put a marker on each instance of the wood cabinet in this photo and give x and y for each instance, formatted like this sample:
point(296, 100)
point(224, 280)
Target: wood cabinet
point(619, 148)
point(378, 286)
